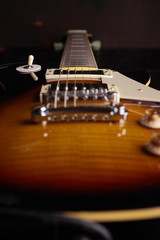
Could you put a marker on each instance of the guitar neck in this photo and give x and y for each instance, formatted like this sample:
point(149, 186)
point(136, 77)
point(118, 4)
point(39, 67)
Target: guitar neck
point(78, 52)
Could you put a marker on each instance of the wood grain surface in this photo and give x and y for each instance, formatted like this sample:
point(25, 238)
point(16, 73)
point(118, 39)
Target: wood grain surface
point(75, 157)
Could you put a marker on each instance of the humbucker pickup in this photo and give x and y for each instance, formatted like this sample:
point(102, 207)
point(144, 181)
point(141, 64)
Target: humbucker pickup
point(90, 74)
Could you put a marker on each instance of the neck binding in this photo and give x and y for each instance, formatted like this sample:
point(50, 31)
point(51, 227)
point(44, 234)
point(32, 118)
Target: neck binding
point(77, 52)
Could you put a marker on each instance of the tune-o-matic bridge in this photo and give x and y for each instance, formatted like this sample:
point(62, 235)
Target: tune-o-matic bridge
point(79, 102)
point(78, 91)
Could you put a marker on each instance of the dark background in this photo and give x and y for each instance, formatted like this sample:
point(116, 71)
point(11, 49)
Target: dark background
point(117, 23)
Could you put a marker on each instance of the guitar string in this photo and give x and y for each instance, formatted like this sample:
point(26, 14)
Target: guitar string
point(75, 91)
point(82, 59)
point(75, 50)
point(79, 52)
point(83, 78)
point(73, 57)
point(88, 61)
point(58, 83)
point(91, 84)
point(57, 89)
point(83, 84)
point(75, 80)
point(83, 52)
point(68, 71)
point(66, 89)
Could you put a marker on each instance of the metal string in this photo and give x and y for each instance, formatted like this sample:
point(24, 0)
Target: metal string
point(88, 66)
point(75, 86)
point(68, 71)
point(66, 90)
point(57, 90)
point(66, 86)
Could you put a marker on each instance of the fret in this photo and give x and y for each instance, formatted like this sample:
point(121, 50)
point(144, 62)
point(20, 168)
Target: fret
point(77, 52)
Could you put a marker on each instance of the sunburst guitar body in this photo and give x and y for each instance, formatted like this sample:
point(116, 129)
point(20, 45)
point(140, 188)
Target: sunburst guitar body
point(88, 146)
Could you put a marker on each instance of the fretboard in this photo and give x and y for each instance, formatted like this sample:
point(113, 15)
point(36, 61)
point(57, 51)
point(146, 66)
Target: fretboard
point(77, 52)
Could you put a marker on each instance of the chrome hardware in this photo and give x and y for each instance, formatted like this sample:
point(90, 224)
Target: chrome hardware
point(65, 102)
point(79, 113)
point(87, 92)
point(113, 97)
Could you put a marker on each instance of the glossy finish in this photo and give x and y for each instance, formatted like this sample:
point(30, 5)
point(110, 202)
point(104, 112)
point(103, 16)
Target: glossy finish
point(75, 166)
point(74, 157)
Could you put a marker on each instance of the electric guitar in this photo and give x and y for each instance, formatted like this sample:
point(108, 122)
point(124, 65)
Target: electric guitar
point(87, 139)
